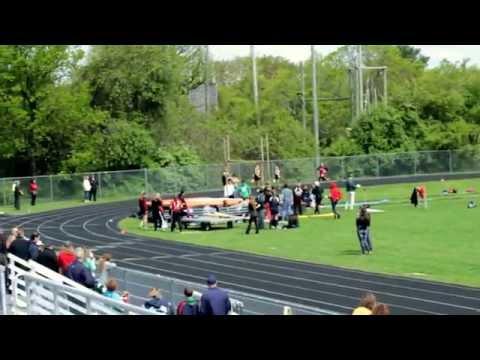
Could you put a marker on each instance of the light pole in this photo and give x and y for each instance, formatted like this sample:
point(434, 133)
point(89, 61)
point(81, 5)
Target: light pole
point(315, 106)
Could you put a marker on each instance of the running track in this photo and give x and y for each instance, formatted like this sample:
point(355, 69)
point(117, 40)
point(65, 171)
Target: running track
point(320, 286)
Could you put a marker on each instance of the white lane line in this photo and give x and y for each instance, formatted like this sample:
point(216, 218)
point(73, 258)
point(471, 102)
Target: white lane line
point(250, 288)
point(320, 273)
point(354, 271)
point(196, 268)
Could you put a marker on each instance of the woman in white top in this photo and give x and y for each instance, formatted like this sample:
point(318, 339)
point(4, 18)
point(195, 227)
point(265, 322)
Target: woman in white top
point(86, 188)
point(229, 189)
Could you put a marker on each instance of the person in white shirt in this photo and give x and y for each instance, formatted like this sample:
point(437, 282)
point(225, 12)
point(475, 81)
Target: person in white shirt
point(229, 189)
point(86, 188)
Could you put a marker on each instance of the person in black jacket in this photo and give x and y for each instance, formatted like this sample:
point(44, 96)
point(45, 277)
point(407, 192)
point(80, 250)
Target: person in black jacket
point(351, 187)
point(17, 192)
point(20, 247)
point(156, 207)
point(93, 190)
point(252, 211)
point(363, 231)
point(317, 192)
point(47, 257)
point(274, 209)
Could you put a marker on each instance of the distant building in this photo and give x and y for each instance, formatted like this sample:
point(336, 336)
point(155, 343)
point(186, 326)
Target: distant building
point(197, 97)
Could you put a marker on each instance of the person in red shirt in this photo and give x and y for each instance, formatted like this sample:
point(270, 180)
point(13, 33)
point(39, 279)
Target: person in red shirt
point(33, 190)
point(322, 172)
point(178, 207)
point(335, 197)
point(66, 257)
point(422, 194)
point(143, 210)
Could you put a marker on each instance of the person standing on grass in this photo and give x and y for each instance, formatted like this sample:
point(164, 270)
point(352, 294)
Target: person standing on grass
point(143, 210)
point(274, 209)
point(86, 189)
point(33, 190)
point(351, 187)
point(276, 174)
point(322, 172)
point(17, 192)
point(93, 188)
point(261, 209)
point(257, 175)
point(297, 199)
point(229, 189)
point(253, 212)
point(335, 196)
point(317, 193)
point(157, 209)
point(225, 176)
point(363, 231)
point(286, 199)
point(177, 209)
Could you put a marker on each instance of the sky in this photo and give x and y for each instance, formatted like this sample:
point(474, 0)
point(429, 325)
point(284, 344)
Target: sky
point(297, 53)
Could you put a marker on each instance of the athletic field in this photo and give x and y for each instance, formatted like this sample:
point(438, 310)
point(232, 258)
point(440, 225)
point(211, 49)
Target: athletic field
point(439, 243)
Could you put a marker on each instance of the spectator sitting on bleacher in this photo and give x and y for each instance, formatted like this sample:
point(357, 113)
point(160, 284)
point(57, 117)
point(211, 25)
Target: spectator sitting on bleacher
point(35, 242)
point(89, 260)
point(104, 264)
point(112, 293)
point(47, 257)
point(156, 303)
point(78, 272)
point(214, 301)
point(189, 306)
point(66, 257)
point(19, 246)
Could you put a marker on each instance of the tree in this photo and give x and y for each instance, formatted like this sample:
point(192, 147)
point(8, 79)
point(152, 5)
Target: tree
point(32, 121)
point(413, 54)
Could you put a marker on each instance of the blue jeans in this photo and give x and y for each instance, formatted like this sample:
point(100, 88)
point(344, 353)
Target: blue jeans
point(364, 238)
point(86, 195)
point(286, 211)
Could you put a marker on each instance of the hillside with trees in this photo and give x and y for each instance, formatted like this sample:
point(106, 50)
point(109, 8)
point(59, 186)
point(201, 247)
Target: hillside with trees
point(127, 107)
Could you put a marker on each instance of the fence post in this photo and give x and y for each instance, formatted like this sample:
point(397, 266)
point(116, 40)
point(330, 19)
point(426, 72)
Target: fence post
point(415, 164)
point(342, 161)
point(378, 167)
point(100, 185)
point(146, 179)
point(51, 187)
point(450, 161)
point(4, 193)
point(55, 302)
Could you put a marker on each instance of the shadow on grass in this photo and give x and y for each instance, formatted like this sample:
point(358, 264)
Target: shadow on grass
point(350, 252)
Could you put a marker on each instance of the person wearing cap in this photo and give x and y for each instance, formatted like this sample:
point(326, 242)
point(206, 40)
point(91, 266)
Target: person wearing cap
point(158, 304)
point(189, 306)
point(317, 193)
point(79, 272)
point(214, 301)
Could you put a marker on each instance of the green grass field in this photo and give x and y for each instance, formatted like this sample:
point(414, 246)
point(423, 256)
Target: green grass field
point(41, 206)
point(439, 243)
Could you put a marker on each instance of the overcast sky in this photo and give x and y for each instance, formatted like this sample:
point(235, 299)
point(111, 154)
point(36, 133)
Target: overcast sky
point(299, 53)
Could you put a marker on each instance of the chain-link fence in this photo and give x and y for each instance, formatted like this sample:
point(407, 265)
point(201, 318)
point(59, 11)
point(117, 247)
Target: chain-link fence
point(117, 185)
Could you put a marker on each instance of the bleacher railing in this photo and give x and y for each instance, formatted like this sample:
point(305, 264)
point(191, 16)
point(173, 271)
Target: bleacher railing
point(3, 292)
point(38, 290)
point(138, 283)
point(199, 178)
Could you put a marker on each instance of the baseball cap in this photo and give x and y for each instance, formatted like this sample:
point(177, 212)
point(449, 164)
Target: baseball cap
point(211, 280)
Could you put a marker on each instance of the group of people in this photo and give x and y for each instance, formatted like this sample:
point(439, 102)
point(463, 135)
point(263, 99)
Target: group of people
point(90, 186)
point(178, 209)
point(17, 192)
point(369, 306)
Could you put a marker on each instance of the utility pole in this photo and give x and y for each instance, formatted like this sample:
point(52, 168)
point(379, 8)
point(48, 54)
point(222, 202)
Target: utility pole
point(315, 106)
point(304, 112)
point(255, 84)
point(385, 87)
point(360, 77)
point(267, 148)
point(207, 100)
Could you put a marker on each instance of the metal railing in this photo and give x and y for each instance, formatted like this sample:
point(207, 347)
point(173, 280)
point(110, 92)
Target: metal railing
point(39, 290)
point(199, 178)
point(46, 297)
point(138, 283)
point(3, 291)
